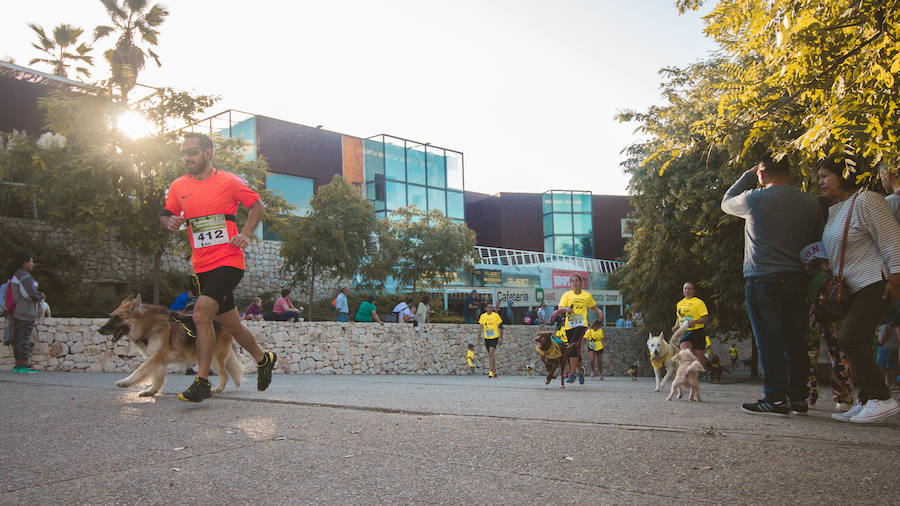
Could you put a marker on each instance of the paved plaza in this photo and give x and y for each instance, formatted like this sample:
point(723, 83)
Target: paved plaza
point(75, 438)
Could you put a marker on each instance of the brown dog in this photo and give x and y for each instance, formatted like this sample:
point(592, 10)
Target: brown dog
point(553, 355)
point(164, 341)
point(715, 368)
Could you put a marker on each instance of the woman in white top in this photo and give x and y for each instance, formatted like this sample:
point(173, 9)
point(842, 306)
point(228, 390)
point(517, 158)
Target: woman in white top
point(871, 274)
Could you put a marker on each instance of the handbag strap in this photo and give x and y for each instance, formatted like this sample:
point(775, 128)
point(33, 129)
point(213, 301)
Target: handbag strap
point(840, 277)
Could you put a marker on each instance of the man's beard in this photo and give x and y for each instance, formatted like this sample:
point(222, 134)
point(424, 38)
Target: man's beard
point(198, 169)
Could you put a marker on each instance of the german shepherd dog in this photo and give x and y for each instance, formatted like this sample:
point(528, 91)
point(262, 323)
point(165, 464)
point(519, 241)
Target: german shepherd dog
point(163, 340)
point(554, 356)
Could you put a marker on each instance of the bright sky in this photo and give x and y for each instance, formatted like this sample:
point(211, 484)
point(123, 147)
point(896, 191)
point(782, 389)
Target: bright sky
point(526, 89)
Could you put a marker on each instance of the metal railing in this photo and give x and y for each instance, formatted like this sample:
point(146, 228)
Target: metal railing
point(502, 256)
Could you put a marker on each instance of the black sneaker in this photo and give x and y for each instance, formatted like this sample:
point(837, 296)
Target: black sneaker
point(264, 370)
point(799, 408)
point(764, 407)
point(198, 391)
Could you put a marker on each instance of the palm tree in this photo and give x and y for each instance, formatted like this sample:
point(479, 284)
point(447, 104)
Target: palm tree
point(130, 18)
point(59, 49)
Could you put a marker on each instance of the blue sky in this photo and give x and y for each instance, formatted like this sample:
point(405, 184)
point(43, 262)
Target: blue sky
point(526, 89)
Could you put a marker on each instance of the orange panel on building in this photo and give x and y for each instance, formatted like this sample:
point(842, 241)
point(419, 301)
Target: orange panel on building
point(352, 148)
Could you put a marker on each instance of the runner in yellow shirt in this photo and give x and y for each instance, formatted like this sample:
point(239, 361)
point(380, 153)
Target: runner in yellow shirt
point(594, 338)
point(692, 310)
point(575, 303)
point(492, 332)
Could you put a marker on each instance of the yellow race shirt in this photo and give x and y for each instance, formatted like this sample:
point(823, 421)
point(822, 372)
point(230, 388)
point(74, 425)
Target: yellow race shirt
point(732, 352)
point(594, 339)
point(470, 358)
point(491, 323)
point(690, 309)
point(579, 304)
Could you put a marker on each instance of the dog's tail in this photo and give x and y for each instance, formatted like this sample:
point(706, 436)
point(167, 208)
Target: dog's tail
point(696, 366)
point(235, 369)
point(677, 335)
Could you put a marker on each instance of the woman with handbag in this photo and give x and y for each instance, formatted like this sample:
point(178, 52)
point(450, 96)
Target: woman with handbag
point(862, 239)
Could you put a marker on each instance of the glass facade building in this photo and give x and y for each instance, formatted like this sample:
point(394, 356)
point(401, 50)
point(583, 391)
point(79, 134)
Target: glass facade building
point(400, 173)
point(568, 228)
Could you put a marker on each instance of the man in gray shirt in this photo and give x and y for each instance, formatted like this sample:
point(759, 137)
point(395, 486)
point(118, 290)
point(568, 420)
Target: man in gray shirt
point(779, 221)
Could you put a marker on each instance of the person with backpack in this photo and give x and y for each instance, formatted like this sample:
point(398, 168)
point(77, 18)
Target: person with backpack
point(21, 300)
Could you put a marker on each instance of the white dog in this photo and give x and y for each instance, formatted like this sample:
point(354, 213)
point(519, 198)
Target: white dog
point(661, 354)
point(687, 375)
point(43, 311)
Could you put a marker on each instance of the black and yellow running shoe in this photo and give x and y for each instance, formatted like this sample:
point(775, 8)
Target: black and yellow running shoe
point(264, 370)
point(198, 391)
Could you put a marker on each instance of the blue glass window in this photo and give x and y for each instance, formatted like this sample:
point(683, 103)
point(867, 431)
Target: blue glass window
point(584, 246)
point(563, 245)
point(374, 158)
point(456, 207)
point(548, 245)
point(437, 175)
point(562, 223)
point(583, 223)
point(581, 202)
point(415, 165)
point(562, 202)
point(395, 195)
point(548, 225)
point(298, 191)
point(454, 170)
point(394, 161)
point(437, 199)
point(416, 195)
point(547, 204)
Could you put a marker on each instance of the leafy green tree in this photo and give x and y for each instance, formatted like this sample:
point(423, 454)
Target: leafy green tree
point(678, 178)
point(130, 19)
point(62, 48)
point(808, 78)
point(102, 185)
point(427, 248)
point(334, 240)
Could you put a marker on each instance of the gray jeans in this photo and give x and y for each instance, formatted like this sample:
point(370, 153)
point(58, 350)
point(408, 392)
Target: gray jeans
point(21, 338)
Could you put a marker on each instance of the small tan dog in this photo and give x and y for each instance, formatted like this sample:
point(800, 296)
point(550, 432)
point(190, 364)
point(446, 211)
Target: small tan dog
point(687, 375)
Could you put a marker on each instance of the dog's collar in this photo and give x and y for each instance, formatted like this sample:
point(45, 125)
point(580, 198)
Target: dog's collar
point(658, 363)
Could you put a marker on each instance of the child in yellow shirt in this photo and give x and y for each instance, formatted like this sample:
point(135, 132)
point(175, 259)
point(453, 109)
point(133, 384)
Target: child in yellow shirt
point(594, 338)
point(470, 358)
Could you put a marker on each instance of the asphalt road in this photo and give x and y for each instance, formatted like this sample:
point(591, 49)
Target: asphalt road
point(75, 438)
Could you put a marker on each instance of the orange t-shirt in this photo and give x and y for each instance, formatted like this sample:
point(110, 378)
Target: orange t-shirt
point(212, 199)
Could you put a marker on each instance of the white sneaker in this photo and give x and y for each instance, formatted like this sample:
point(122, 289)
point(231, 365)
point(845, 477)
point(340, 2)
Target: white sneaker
point(876, 411)
point(847, 415)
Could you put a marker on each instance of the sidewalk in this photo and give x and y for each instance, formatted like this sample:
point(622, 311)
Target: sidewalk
point(76, 438)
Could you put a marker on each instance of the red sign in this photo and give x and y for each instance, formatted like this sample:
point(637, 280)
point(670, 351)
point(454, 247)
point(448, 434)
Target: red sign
point(561, 279)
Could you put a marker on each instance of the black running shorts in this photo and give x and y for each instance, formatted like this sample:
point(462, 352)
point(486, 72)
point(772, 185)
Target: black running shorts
point(574, 335)
point(219, 284)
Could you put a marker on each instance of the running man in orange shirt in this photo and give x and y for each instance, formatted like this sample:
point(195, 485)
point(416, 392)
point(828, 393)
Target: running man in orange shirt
point(206, 199)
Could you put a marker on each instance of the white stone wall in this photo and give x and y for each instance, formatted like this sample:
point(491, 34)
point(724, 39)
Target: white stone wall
point(73, 344)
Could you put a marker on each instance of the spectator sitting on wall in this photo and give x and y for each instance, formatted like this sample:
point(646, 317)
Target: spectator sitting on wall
point(367, 311)
point(404, 313)
point(629, 322)
point(620, 323)
point(284, 309)
point(254, 310)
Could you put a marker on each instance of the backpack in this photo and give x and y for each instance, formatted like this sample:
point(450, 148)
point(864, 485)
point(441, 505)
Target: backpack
point(334, 304)
point(391, 318)
point(9, 301)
